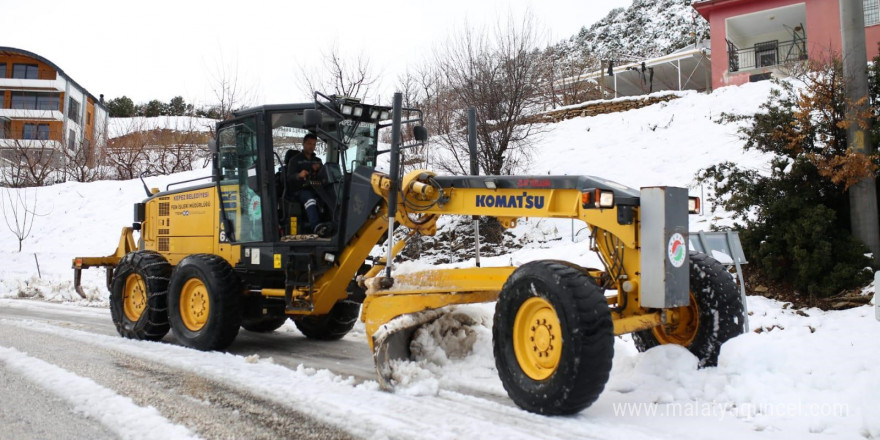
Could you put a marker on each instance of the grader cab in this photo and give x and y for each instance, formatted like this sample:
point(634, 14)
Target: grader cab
point(229, 253)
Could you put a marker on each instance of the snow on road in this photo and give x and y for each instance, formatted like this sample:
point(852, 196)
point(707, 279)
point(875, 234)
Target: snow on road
point(117, 413)
point(796, 375)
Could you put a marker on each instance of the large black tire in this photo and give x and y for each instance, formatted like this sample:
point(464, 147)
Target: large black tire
point(203, 300)
point(138, 296)
point(719, 313)
point(553, 338)
point(266, 324)
point(332, 326)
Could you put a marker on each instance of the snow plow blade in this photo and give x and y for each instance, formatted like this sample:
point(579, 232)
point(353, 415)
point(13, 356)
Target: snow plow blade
point(392, 342)
point(392, 315)
point(126, 245)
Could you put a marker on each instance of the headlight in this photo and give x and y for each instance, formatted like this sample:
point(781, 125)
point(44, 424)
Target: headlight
point(597, 198)
point(694, 205)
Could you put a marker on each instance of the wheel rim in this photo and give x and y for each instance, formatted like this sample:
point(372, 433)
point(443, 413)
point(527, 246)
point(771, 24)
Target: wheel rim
point(134, 297)
point(684, 327)
point(537, 338)
point(194, 304)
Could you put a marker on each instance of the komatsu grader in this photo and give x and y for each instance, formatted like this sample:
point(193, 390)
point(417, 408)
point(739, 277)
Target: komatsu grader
point(228, 253)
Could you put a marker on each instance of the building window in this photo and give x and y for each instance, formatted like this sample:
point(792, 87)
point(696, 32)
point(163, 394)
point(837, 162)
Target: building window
point(24, 100)
point(24, 71)
point(872, 12)
point(48, 101)
point(4, 129)
point(35, 101)
point(3, 70)
point(35, 131)
point(71, 140)
point(73, 110)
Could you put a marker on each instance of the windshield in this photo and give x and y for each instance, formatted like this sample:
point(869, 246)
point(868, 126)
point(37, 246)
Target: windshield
point(360, 140)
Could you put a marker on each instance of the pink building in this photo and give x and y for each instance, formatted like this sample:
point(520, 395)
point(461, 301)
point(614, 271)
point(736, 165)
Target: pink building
point(752, 38)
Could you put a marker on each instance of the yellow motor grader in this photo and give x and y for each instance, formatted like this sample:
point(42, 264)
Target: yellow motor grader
point(233, 252)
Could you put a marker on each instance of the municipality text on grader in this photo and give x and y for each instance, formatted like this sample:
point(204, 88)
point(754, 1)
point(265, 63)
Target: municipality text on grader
point(230, 253)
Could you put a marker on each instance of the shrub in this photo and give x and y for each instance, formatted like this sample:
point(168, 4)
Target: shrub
point(794, 220)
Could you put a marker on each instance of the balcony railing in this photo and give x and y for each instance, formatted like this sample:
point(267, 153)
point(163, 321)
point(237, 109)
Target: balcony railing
point(765, 54)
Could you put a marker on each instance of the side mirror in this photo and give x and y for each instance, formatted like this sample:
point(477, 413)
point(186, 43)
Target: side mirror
point(212, 146)
point(313, 117)
point(420, 133)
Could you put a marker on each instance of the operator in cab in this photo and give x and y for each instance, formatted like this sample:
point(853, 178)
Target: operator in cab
point(302, 169)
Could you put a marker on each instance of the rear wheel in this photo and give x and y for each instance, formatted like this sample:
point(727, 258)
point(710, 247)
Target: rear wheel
point(714, 315)
point(332, 326)
point(203, 297)
point(138, 296)
point(553, 338)
point(266, 324)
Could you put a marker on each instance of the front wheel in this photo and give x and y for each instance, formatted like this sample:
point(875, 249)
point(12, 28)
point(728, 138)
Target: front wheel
point(138, 296)
point(203, 302)
point(715, 314)
point(553, 338)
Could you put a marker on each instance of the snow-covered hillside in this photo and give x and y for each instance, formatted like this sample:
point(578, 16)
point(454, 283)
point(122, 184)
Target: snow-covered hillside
point(798, 373)
point(647, 28)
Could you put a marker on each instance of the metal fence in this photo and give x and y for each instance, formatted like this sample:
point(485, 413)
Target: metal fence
point(765, 54)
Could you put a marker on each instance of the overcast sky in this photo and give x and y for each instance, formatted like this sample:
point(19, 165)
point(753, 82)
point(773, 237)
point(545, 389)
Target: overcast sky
point(158, 49)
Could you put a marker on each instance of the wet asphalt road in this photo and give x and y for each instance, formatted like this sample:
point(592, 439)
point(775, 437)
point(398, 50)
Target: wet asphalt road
point(209, 409)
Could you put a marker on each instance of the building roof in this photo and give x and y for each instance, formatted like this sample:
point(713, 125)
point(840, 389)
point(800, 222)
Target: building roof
point(54, 66)
point(706, 7)
point(631, 80)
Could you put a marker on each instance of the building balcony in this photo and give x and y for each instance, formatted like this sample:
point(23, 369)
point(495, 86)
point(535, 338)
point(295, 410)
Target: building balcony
point(33, 84)
point(32, 115)
point(765, 54)
point(766, 38)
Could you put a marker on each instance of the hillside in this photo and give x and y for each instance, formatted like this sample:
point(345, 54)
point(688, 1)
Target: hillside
point(647, 28)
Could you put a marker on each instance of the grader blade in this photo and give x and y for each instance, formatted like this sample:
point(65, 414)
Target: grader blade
point(392, 342)
point(391, 315)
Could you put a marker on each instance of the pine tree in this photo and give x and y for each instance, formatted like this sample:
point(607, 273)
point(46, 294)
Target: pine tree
point(794, 221)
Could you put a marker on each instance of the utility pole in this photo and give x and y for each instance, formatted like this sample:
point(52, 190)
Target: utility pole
point(862, 195)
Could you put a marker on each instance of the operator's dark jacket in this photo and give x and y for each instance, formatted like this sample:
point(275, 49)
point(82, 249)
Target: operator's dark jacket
point(295, 166)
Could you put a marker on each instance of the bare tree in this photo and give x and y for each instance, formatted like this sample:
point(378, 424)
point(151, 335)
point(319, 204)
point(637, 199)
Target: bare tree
point(567, 77)
point(421, 87)
point(178, 147)
point(19, 212)
point(30, 162)
point(229, 93)
point(339, 76)
point(86, 161)
point(500, 74)
point(127, 150)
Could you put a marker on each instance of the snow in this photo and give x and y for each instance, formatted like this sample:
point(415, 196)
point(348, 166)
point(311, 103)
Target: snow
point(116, 412)
point(797, 373)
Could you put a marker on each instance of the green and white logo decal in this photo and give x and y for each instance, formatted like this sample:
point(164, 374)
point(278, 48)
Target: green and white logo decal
point(676, 249)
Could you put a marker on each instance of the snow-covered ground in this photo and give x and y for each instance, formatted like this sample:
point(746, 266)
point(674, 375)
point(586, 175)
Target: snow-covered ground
point(799, 373)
